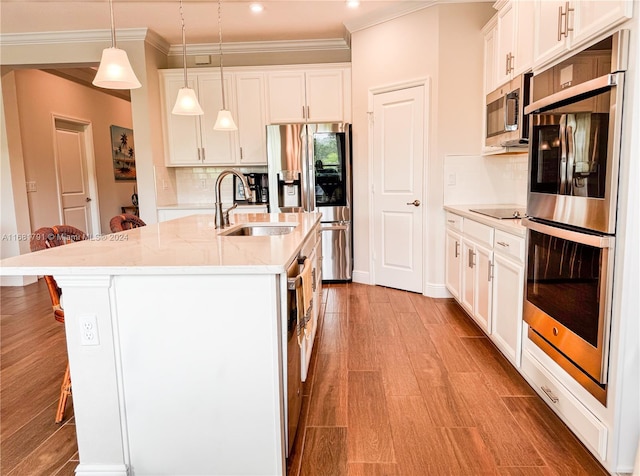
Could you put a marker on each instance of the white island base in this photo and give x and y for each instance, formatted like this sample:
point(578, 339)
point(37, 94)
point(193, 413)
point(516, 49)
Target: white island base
point(176, 341)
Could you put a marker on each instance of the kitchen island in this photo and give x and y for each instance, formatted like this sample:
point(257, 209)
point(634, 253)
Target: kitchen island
point(176, 335)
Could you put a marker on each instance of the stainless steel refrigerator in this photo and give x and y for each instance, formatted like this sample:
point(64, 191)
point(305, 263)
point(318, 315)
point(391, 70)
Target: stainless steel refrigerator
point(310, 170)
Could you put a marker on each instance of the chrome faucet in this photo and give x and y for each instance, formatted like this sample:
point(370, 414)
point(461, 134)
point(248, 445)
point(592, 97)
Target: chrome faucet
point(222, 216)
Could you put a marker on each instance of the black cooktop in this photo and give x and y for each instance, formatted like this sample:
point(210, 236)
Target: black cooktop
point(501, 213)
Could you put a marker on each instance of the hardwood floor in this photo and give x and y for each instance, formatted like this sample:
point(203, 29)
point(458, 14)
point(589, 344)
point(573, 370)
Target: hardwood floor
point(399, 385)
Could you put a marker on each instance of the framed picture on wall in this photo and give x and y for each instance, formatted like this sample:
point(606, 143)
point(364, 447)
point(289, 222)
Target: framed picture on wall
point(123, 152)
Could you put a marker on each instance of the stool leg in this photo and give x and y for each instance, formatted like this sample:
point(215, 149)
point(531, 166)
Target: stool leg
point(65, 391)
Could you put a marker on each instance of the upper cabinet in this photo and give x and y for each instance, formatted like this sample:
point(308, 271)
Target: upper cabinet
point(191, 140)
point(508, 43)
point(309, 95)
point(251, 106)
point(562, 26)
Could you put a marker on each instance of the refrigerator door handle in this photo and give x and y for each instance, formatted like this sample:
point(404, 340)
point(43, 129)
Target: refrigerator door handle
point(340, 226)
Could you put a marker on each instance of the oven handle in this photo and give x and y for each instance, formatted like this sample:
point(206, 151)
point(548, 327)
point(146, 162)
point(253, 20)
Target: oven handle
point(549, 102)
point(597, 241)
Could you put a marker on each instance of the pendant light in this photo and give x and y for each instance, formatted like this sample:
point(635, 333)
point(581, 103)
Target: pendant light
point(187, 101)
point(115, 71)
point(225, 121)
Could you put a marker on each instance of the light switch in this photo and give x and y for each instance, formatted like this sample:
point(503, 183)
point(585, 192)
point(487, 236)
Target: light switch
point(452, 179)
point(31, 186)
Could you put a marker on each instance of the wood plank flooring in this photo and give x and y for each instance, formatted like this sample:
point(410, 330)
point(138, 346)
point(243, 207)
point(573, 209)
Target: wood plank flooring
point(399, 385)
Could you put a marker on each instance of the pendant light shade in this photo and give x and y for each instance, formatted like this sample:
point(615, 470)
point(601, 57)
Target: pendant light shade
point(225, 121)
point(187, 101)
point(115, 71)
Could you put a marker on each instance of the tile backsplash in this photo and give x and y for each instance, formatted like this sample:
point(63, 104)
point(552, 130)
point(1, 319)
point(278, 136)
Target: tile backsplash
point(195, 185)
point(489, 179)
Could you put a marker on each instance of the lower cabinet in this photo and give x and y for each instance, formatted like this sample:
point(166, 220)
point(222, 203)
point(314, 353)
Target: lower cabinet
point(484, 271)
point(506, 314)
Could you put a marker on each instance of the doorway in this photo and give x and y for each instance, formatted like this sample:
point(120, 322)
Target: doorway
point(75, 175)
point(398, 154)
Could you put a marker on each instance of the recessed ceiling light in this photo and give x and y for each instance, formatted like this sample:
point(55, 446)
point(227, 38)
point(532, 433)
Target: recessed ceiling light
point(256, 7)
point(353, 3)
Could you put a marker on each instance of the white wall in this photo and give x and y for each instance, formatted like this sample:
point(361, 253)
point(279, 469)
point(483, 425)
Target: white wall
point(444, 43)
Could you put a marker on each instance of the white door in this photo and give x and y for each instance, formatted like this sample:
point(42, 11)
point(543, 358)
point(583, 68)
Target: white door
point(76, 181)
point(398, 161)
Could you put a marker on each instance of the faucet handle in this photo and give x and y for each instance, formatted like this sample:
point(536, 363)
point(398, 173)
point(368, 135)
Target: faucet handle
point(225, 214)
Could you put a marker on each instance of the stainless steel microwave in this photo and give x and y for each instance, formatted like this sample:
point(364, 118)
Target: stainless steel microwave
point(506, 123)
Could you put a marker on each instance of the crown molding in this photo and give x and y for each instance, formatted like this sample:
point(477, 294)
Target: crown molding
point(395, 11)
point(84, 36)
point(280, 46)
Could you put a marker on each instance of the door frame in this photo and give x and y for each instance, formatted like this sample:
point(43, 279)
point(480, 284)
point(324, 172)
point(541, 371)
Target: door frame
point(90, 162)
point(426, 84)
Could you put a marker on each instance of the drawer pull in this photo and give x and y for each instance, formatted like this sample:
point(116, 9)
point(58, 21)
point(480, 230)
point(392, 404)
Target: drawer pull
point(451, 221)
point(503, 243)
point(457, 249)
point(550, 394)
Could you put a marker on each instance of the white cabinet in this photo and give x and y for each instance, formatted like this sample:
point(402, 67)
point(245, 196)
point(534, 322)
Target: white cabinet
point(561, 25)
point(508, 294)
point(250, 98)
point(453, 263)
point(312, 95)
point(191, 140)
point(490, 31)
point(476, 282)
point(477, 256)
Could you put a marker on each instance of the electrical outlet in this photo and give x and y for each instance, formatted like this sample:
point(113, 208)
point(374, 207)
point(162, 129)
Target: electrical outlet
point(203, 183)
point(452, 179)
point(165, 184)
point(31, 186)
point(89, 330)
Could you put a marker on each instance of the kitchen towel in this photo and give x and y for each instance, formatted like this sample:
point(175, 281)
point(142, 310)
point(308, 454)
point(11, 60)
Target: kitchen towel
point(305, 298)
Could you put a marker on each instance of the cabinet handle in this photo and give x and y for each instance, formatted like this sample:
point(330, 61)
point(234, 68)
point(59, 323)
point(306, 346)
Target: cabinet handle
point(199, 154)
point(560, 14)
point(241, 156)
point(203, 156)
point(457, 249)
point(490, 272)
point(506, 68)
point(451, 221)
point(503, 243)
point(550, 394)
point(511, 58)
point(304, 113)
point(566, 20)
point(471, 259)
point(313, 279)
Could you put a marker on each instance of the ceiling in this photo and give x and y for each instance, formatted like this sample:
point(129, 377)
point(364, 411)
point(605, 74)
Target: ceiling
point(281, 19)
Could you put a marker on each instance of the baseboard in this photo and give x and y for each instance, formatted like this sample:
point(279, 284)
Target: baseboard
point(436, 291)
point(101, 470)
point(17, 280)
point(362, 277)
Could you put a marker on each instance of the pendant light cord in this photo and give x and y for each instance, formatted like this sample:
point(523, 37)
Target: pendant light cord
point(224, 102)
point(184, 46)
point(113, 25)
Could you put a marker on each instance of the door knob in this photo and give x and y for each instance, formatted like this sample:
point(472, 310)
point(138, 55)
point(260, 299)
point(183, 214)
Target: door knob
point(415, 203)
point(88, 199)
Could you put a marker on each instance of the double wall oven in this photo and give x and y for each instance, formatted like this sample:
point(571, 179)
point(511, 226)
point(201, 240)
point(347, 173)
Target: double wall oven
point(575, 130)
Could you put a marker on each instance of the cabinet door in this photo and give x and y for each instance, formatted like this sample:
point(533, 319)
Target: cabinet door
point(490, 68)
point(453, 262)
point(287, 101)
point(483, 286)
point(548, 23)
point(523, 39)
point(218, 146)
point(508, 284)
point(325, 95)
point(592, 18)
point(252, 118)
point(506, 34)
point(468, 275)
point(181, 133)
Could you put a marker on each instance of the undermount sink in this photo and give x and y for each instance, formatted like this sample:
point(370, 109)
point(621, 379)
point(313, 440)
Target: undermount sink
point(260, 229)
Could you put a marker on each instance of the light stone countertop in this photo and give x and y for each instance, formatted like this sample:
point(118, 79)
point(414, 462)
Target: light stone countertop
point(513, 226)
point(204, 206)
point(184, 246)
